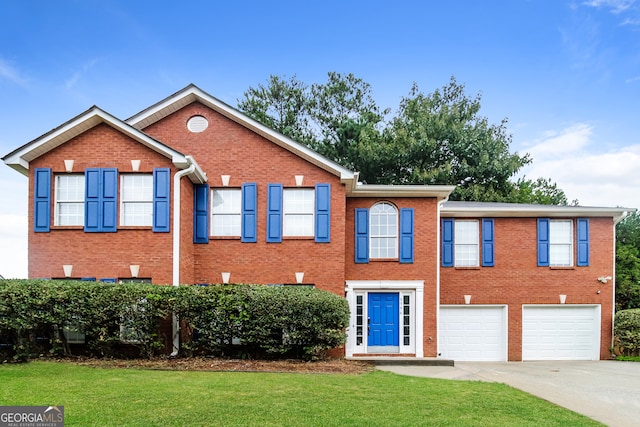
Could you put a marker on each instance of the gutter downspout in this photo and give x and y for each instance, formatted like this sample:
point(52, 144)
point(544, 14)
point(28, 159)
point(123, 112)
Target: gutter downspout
point(613, 282)
point(175, 329)
point(438, 267)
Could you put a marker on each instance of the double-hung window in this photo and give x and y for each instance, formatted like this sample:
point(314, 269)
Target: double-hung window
point(383, 231)
point(466, 244)
point(69, 206)
point(557, 242)
point(136, 200)
point(226, 212)
point(560, 243)
point(298, 210)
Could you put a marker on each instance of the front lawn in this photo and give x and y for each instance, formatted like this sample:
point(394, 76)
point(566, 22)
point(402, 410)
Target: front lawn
point(133, 397)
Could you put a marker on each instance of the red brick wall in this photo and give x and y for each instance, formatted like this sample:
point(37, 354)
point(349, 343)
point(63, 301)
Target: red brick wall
point(425, 263)
point(226, 148)
point(98, 254)
point(516, 279)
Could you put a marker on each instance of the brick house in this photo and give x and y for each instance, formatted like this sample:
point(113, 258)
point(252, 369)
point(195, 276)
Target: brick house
point(192, 191)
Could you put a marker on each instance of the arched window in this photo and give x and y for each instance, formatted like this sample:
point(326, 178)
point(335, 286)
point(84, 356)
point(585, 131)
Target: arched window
point(383, 231)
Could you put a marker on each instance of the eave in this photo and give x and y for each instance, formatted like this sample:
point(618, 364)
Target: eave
point(440, 192)
point(20, 158)
point(456, 209)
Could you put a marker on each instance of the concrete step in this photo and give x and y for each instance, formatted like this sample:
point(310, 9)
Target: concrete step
point(404, 361)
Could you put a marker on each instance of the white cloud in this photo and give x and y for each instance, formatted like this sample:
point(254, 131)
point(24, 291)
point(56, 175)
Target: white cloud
point(71, 82)
point(596, 178)
point(616, 6)
point(9, 72)
point(13, 253)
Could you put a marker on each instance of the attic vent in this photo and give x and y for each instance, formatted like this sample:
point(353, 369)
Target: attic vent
point(197, 124)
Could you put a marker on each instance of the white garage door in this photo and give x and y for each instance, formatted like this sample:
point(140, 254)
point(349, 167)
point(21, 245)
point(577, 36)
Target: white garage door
point(569, 332)
point(473, 333)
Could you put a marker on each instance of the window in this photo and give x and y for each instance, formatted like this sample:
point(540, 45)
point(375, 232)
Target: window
point(137, 200)
point(466, 244)
point(556, 242)
point(226, 212)
point(461, 244)
point(298, 209)
point(560, 243)
point(69, 207)
point(384, 231)
point(381, 233)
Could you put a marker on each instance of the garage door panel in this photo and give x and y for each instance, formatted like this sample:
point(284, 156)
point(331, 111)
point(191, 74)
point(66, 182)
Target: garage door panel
point(473, 333)
point(569, 332)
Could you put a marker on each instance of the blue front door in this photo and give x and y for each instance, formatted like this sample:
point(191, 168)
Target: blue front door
point(383, 320)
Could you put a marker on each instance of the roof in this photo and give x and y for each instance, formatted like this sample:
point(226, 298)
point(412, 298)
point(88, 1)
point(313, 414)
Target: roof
point(19, 159)
point(192, 93)
point(485, 209)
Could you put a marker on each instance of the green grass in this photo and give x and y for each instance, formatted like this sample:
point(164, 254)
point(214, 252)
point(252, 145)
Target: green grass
point(131, 397)
point(628, 358)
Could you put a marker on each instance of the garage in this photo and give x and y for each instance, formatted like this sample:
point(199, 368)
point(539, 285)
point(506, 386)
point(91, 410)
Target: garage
point(473, 333)
point(566, 332)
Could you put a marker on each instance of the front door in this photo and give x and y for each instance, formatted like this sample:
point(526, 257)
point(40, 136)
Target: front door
point(383, 323)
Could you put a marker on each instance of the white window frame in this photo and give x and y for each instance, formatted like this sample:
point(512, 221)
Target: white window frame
point(387, 212)
point(466, 243)
point(560, 243)
point(141, 199)
point(76, 200)
point(226, 217)
point(298, 212)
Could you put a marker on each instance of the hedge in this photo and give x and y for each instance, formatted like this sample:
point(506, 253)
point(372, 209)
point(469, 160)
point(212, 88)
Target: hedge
point(124, 320)
point(627, 332)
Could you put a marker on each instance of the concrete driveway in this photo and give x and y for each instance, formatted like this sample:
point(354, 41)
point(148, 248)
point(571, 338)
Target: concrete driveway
point(606, 391)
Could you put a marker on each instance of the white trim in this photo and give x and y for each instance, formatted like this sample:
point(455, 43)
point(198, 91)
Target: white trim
point(415, 287)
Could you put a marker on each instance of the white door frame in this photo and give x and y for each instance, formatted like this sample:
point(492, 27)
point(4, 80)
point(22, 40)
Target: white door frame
point(413, 288)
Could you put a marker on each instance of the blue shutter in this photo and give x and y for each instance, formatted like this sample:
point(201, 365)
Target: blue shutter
point(201, 213)
point(583, 242)
point(109, 199)
point(362, 236)
point(487, 243)
point(543, 242)
point(42, 200)
point(101, 200)
point(274, 213)
point(161, 201)
point(447, 242)
point(249, 211)
point(92, 200)
point(406, 235)
point(323, 213)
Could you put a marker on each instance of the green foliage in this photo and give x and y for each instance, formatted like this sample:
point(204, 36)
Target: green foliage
point(627, 331)
point(223, 319)
point(437, 138)
point(628, 262)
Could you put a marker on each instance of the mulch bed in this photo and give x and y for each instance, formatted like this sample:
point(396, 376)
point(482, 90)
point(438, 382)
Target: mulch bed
point(331, 366)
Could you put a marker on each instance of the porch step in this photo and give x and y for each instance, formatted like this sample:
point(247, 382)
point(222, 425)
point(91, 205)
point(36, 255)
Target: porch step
point(404, 361)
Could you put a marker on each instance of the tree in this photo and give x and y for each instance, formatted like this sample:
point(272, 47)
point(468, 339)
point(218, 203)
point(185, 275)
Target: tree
point(541, 192)
point(438, 138)
point(281, 105)
point(628, 262)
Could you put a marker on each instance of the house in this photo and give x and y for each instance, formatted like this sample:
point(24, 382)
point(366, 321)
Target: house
point(192, 191)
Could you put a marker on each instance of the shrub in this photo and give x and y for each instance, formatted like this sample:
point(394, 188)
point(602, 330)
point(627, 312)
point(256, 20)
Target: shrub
point(627, 331)
point(251, 320)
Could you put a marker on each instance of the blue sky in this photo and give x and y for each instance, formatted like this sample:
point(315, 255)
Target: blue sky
point(566, 74)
